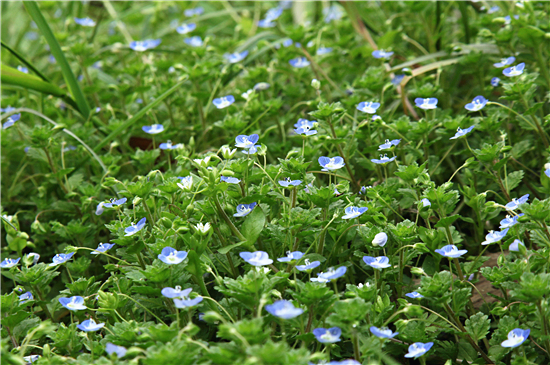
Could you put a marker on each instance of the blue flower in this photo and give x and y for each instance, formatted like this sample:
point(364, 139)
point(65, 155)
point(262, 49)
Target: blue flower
point(115, 202)
point(247, 142)
point(308, 265)
point(330, 274)
point(493, 9)
point(25, 297)
point(291, 256)
point(388, 144)
point(418, 349)
point(102, 248)
point(266, 23)
point(509, 221)
point(426, 103)
point(380, 53)
point(229, 180)
point(284, 309)
point(343, 362)
point(186, 182)
point(505, 62)
point(85, 22)
point(514, 70)
point(186, 302)
point(224, 101)
point(426, 203)
point(383, 332)
point(508, 19)
point(305, 131)
point(175, 292)
point(495, 81)
point(7, 109)
point(516, 337)
point(305, 123)
point(139, 101)
point(287, 42)
point(514, 246)
point(261, 86)
point(380, 239)
point(23, 69)
point(235, 57)
point(75, 303)
point(323, 50)
point(89, 325)
point(493, 237)
point(462, 132)
point(61, 258)
point(368, 107)
point(194, 41)
point(286, 182)
point(171, 256)
point(257, 258)
point(273, 13)
point(135, 228)
point(34, 256)
point(120, 351)
point(153, 129)
point(354, 212)
point(9, 263)
point(477, 104)
point(11, 121)
point(299, 62)
point(547, 172)
point(327, 335)
point(285, 4)
point(383, 160)
point(69, 148)
point(380, 262)
point(397, 79)
point(192, 12)
point(244, 209)
point(515, 203)
point(331, 13)
point(450, 251)
point(331, 163)
point(141, 46)
point(169, 146)
point(414, 295)
point(186, 28)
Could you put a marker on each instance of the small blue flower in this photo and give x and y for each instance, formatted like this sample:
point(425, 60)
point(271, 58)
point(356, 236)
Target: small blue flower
point(323, 50)
point(89, 325)
point(175, 292)
point(450, 251)
point(331, 13)
point(285, 4)
point(135, 228)
point(380, 239)
point(514, 246)
point(85, 22)
point(23, 298)
point(477, 104)
point(229, 180)
point(327, 335)
point(547, 172)
point(493, 237)
point(287, 42)
point(102, 248)
point(273, 13)
point(9, 263)
point(235, 57)
point(171, 256)
point(141, 46)
point(495, 81)
point(514, 70)
point(505, 62)
point(330, 274)
point(380, 53)
point(509, 221)
point(493, 9)
point(224, 101)
point(186, 302)
point(192, 12)
point(69, 148)
point(426, 203)
point(508, 19)
point(308, 265)
point(257, 258)
point(515, 203)
point(305, 131)
point(31, 358)
point(343, 362)
point(115, 203)
point(7, 109)
point(23, 69)
point(305, 123)
point(383, 332)
point(426, 103)
point(194, 41)
point(11, 120)
point(414, 295)
point(120, 351)
point(383, 160)
point(291, 256)
point(388, 144)
point(153, 129)
point(380, 262)
point(244, 209)
point(363, 190)
point(61, 258)
point(354, 212)
point(266, 23)
point(396, 81)
point(287, 182)
point(261, 86)
point(284, 309)
point(462, 132)
point(139, 101)
point(299, 62)
point(169, 146)
point(516, 337)
point(247, 142)
point(186, 28)
point(187, 182)
point(368, 107)
point(418, 349)
point(75, 303)
point(331, 163)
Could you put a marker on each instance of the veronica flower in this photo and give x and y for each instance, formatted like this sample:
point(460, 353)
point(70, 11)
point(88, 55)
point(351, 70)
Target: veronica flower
point(102, 248)
point(247, 142)
point(509, 221)
point(426, 103)
point(493, 9)
point(508, 19)
point(135, 228)
point(287, 42)
point(229, 180)
point(194, 41)
point(426, 203)
point(331, 163)
point(235, 57)
point(515, 203)
point(286, 182)
point(175, 292)
point(31, 358)
point(396, 81)
point(7, 109)
point(323, 50)
point(331, 13)
point(187, 303)
point(380, 262)
point(115, 203)
point(299, 62)
point(514, 70)
point(274, 13)
point(244, 209)
point(141, 46)
point(195, 11)
point(171, 256)
point(120, 351)
point(266, 23)
point(505, 62)
point(388, 144)
point(516, 337)
point(23, 69)
point(380, 53)
point(450, 251)
point(61, 258)
point(327, 335)
point(85, 22)
point(305, 131)
point(153, 129)
point(257, 258)
point(477, 104)
point(284, 309)
point(224, 101)
point(308, 265)
point(203, 229)
point(514, 246)
point(354, 212)
point(34, 256)
point(186, 182)
point(9, 263)
point(547, 172)
point(11, 120)
point(330, 274)
point(23, 298)
point(89, 325)
point(73, 303)
point(291, 256)
point(246, 95)
point(414, 295)
point(368, 107)
point(261, 86)
point(493, 237)
point(380, 239)
point(495, 81)
point(376, 117)
point(383, 332)
point(139, 101)
point(285, 4)
point(383, 160)
point(186, 28)
point(462, 132)
point(305, 123)
point(169, 146)
point(418, 349)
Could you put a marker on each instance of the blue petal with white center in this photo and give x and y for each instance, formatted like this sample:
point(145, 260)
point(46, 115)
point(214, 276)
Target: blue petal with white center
point(244, 209)
point(171, 256)
point(102, 248)
point(61, 258)
point(120, 351)
point(418, 349)
point(477, 104)
point(284, 309)
point(289, 183)
point(514, 70)
point(380, 53)
point(135, 228)
point(90, 325)
point(141, 46)
point(327, 335)
point(257, 258)
point(388, 144)
point(115, 203)
point(368, 107)
point(235, 57)
point(291, 256)
point(186, 28)
point(493, 237)
point(462, 132)
point(516, 337)
point(426, 103)
point(75, 303)
point(175, 292)
point(505, 62)
point(9, 263)
point(224, 101)
point(85, 22)
point(383, 160)
point(299, 62)
point(153, 129)
point(450, 251)
point(195, 41)
point(510, 221)
point(495, 81)
point(11, 121)
point(383, 332)
point(229, 180)
point(379, 263)
point(354, 212)
point(331, 163)
point(414, 295)
point(308, 265)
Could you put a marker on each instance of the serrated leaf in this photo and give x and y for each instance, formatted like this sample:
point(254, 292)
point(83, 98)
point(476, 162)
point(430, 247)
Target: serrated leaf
point(478, 326)
point(253, 225)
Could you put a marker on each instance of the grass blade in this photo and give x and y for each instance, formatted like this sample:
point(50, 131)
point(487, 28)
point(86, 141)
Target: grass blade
point(27, 63)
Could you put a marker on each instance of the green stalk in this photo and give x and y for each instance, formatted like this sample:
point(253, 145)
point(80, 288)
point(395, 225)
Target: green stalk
point(224, 216)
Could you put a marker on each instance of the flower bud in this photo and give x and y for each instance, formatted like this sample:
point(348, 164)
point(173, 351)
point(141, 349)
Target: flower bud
point(316, 84)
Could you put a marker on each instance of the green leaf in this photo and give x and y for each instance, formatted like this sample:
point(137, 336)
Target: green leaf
point(514, 178)
point(253, 225)
point(447, 221)
point(478, 326)
point(226, 249)
point(532, 110)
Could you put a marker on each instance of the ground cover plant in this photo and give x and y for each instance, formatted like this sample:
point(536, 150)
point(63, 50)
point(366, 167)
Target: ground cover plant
point(275, 183)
